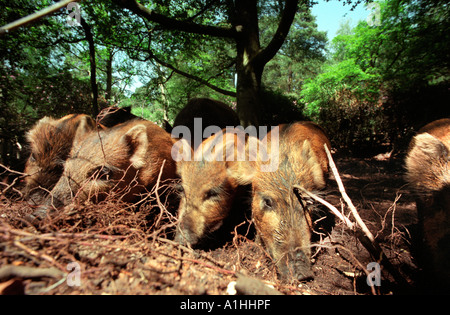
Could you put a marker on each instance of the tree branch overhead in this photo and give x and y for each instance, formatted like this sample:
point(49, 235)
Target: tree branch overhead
point(287, 17)
point(193, 77)
point(174, 24)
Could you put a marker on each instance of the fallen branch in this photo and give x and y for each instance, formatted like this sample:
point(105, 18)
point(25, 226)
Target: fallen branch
point(35, 16)
point(56, 236)
point(347, 199)
point(37, 254)
point(9, 186)
point(332, 208)
point(162, 208)
point(360, 229)
point(24, 272)
point(7, 169)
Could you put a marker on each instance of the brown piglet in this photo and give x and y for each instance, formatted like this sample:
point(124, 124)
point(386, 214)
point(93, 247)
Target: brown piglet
point(126, 159)
point(50, 142)
point(282, 216)
point(213, 200)
point(428, 174)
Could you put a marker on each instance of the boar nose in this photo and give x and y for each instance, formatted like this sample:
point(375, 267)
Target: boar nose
point(186, 237)
point(39, 214)
point(302, 266)
point(185, 231)
point(43, 211)
point(297, 265)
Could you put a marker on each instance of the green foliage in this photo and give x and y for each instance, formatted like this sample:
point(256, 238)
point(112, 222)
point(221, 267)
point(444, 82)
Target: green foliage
point(368, 86)
point(344, 100)
point(301, 56)
point(327, 87)
point(367, 92)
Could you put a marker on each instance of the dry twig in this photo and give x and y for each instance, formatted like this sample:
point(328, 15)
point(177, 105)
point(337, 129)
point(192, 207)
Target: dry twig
point(360, 229)
point(347, 199)
point(11, 271)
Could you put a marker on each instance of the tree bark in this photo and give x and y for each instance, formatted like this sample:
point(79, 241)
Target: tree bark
point(248, 73)
point(94, 88)
point(108, 92)
point(251, 59)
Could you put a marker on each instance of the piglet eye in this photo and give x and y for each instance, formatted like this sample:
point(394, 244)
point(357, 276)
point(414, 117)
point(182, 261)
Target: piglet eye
point(32, 158)
point(101, 173)
point(179, 188)
point(105, 173)
point(267, 203)
point(211, 194)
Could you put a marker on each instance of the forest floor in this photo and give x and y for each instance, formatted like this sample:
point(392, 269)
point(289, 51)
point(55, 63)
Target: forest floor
point(111, 248)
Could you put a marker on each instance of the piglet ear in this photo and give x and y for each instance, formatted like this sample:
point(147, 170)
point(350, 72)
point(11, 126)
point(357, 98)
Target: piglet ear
point(33, 134)
point(430, 146)
point(137, 140)
point(181, 150)
point(85, 125)
point(243, 171)
point(309, 162)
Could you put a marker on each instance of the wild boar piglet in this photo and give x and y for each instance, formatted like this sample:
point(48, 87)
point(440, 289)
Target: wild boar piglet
point(282, 219)
point(125, 159)
point(212, 198)
point(50, 141)
point(428, 174)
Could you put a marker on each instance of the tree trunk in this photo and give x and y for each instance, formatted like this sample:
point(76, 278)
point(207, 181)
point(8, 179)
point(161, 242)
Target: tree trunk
point(94, 89)
point(248, 72)
point(248, 89)
point(164, 100)
point(251, 58)
point(290, 79)
point(108, 92)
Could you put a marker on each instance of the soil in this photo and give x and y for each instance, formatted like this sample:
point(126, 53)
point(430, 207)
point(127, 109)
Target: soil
point(113, 248)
